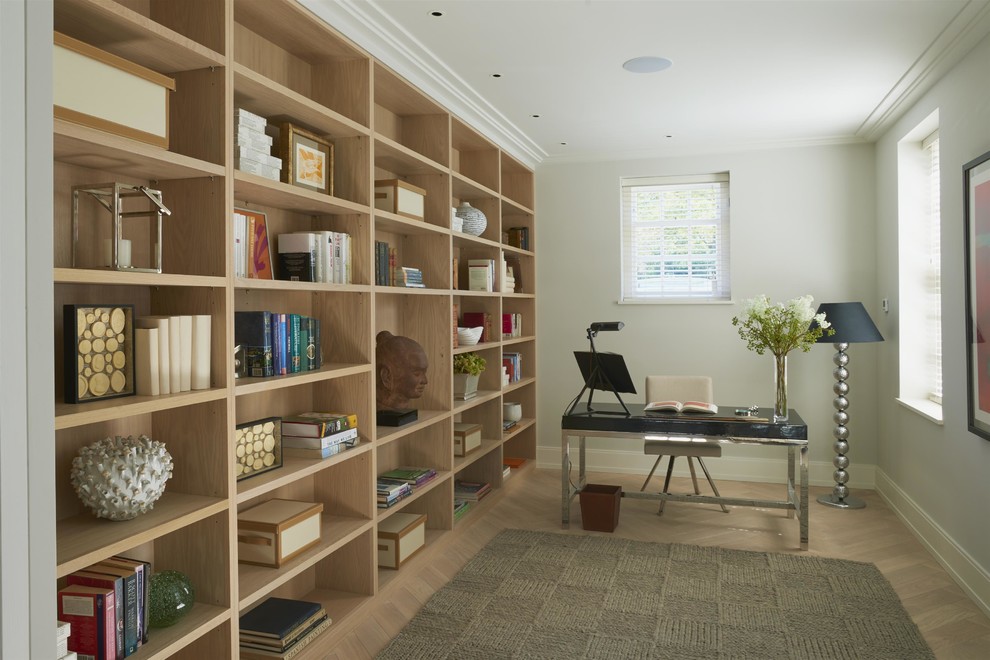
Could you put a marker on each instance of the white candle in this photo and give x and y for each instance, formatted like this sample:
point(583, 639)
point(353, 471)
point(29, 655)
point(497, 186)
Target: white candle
point(123, 253)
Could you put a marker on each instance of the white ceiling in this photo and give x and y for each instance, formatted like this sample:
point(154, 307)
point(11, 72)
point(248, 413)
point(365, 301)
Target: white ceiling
point(746, 73)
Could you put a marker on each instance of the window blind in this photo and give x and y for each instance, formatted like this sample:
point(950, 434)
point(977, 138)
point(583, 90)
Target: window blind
point(934, 280)
point(675, 238)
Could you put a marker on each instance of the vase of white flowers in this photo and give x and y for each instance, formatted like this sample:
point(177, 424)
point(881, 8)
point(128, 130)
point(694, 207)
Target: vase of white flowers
point(780, 328)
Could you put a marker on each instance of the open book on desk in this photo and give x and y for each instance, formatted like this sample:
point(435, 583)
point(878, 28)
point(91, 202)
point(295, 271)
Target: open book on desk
point(682, 407)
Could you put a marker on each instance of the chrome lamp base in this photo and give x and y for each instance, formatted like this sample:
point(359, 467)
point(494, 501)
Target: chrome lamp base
point(840, 497)
point(848, 502)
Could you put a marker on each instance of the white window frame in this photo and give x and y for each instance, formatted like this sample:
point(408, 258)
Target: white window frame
point(674, 289)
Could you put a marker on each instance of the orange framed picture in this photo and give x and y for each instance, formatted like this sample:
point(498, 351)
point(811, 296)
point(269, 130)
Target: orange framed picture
point(307, 159)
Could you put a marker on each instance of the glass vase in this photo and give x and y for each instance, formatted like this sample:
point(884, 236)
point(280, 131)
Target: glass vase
point(780, 388)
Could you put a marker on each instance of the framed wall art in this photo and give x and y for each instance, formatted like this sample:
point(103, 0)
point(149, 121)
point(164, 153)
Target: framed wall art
point(99, 352)
point(976, 205)
point(307, 159)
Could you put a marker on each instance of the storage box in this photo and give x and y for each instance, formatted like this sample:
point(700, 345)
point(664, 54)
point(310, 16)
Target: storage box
point(398, 196)
point(600, 507)
point(275, 531)
point(400, 536)
point(101, 90)
point(467, 438)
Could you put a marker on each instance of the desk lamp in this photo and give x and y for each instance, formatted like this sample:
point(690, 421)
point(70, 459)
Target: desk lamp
point(598, 376)
point(852, 324)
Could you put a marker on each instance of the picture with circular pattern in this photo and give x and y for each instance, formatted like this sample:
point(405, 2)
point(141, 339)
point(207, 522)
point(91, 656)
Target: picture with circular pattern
point(101, 338)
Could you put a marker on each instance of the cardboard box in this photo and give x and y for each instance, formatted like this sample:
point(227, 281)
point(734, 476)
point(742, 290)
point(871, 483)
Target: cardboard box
point(101, 90)
point(397, 196)
point(275, 531)
point(467, 438)
point(400, 536)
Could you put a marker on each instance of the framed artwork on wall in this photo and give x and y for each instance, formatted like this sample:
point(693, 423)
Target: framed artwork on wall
point(976, 213)
point(307, 159)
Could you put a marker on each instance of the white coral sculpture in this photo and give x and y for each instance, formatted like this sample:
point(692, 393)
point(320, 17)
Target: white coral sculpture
point(121, 478)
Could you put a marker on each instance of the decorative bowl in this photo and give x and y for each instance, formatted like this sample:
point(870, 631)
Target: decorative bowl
point(469, 336)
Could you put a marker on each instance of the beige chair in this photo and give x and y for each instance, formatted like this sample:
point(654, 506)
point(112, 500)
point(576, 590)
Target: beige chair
point(680, 388)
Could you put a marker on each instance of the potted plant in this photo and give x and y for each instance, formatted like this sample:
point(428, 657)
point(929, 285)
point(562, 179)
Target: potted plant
point(467, 372)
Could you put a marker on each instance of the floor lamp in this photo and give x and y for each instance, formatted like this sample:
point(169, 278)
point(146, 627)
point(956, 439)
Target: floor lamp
point(852, 325)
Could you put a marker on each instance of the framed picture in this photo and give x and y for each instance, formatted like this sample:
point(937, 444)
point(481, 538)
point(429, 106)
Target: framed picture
point(976, 205)
point(257, 447)
point(99, 352)
point(307, 159)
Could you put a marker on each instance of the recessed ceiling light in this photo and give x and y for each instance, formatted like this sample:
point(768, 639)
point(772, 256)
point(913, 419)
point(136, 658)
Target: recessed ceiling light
point(563, 144)
point(647, 64)
point(496, 75)
point(436, 13)
point(535, 116)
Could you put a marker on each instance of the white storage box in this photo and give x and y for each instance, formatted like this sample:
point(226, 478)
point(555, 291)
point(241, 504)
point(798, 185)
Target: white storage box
point(275, 531)
point(101, 90)
point(467, 438)
point(398, 196)
point(400, 536)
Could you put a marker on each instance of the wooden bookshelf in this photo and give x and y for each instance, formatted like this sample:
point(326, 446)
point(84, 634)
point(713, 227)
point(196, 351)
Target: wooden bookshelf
point(274, 58)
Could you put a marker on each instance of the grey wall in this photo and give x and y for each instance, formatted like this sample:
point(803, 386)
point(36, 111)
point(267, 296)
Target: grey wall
point(802, 222)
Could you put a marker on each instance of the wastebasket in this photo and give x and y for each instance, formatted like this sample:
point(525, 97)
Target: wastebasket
point(600, 507)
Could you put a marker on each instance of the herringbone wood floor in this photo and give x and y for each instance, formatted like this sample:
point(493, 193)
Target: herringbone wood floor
point(954, 627)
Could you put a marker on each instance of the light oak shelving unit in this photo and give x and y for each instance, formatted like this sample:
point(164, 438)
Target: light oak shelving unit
point(274, 58)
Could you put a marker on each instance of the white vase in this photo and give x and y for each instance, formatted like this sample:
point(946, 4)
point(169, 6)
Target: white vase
point(511, 411)
point(474, 219)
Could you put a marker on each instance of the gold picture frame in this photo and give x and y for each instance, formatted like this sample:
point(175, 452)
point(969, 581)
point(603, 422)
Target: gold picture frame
point(307, 159)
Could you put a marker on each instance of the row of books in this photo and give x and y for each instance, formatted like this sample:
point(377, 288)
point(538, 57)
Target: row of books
point(517, 237)
point(106, 607)
point(481, 274)
point(511, 325)
point(385, 262)
point(252, 254)
point(280, 628)
point(472, 491)
point(275, 344)
point(171, 354)
point(319, 434)
point(315, 256)
point(512, 362)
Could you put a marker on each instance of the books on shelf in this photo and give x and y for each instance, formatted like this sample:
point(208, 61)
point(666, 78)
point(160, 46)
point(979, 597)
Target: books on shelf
point(252, 254)
point(414, 476)
point(172, 353)
point(682, 407)
point(471, 490)
point(252, 148)
point(315, 256)
point(391, 491)
point(519, 237)
point(481, 274)
point(479, 320)
point(511, 325)
point(409, 277)
point(276, 344)
point(512, 362)
point(461, 507)
point(281, 628)
point(347, 436)
point(318, 424)
point(90, 611)
point(513, 462)
point(385, 264)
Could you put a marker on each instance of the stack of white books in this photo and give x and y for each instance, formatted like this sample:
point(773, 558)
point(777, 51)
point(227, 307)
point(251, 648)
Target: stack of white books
point(172, 354)
point(62, 632)
point(253, 147)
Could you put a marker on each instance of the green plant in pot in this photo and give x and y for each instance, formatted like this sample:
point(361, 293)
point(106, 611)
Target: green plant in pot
point(467, 372)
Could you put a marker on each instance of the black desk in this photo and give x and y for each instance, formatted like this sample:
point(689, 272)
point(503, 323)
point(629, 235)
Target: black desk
point(704, 429)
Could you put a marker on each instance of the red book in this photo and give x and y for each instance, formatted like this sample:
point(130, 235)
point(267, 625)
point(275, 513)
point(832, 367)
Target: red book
point(482, 320)
point(90, 610)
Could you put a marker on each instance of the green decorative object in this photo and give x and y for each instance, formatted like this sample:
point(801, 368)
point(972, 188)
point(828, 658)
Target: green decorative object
point(171, 597)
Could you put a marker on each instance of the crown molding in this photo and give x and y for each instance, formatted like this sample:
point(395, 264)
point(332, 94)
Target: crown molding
point(966, 29)
point(364, 23)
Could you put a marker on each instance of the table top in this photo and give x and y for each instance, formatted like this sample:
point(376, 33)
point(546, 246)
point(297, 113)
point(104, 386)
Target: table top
point(757, 426)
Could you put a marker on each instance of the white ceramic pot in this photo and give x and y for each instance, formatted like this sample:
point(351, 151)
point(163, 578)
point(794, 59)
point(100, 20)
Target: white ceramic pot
point(465, 386)
point(474, 219)
point(511, 411)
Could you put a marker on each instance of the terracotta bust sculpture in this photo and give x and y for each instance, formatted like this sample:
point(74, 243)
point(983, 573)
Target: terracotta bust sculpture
point(401, 371)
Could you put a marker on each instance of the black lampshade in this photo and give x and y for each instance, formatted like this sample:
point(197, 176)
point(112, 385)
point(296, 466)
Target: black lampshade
point(851, 322)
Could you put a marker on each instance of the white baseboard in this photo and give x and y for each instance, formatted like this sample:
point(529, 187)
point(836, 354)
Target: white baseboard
point(730, 468)
point(973, 578)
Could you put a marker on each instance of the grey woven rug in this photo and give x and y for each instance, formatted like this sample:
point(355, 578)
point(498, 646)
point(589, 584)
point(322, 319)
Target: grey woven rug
point(543, 595)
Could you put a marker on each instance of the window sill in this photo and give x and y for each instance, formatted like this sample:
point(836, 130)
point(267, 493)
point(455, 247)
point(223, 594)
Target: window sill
point(927, 409)
point(674, 301)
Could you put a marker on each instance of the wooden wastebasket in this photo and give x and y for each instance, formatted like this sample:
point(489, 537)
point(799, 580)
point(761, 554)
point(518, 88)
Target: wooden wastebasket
point(600, 507)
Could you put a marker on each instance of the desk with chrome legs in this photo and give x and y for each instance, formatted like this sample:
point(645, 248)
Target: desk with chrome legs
point(792, 434)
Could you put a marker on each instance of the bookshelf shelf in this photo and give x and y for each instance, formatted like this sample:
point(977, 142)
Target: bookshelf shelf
point(276, 59)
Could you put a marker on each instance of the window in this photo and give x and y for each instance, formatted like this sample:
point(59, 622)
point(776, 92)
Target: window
point(675, 243)
point(919, 276)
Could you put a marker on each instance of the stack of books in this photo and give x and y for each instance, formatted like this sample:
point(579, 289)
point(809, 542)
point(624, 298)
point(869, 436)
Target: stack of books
point(319, 434)
point(276, 344)
point(470, 490)
point(281, 628)
point(172, 354)
point(409, 277)
point(62, 632)
point(391, 491)
point(414, 476)
point(252, 153)
point(460, 508)
point(106, 607)
point(508, 278)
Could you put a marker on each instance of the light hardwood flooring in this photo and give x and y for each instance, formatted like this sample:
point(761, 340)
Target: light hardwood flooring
point(954, 627)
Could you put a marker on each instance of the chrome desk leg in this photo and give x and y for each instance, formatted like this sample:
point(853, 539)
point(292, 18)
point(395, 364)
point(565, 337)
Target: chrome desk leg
point(565, 493)
point(791, 456)
point(804, 497)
